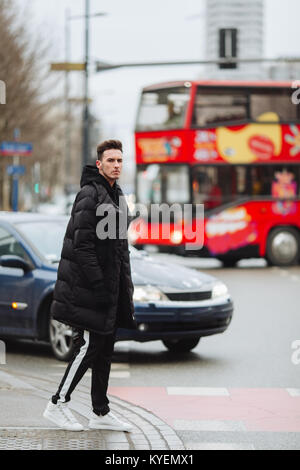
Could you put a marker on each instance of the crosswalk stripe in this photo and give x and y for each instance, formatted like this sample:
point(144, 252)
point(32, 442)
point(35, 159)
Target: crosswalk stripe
point(119, 365)
point(293, 392)
point(198, 391)
point(122, 374)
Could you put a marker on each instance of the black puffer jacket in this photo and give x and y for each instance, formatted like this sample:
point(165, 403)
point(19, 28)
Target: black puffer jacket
point(94, 287)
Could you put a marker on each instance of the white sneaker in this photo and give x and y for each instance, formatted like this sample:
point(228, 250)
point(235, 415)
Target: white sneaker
point(61, 415)
point(108, 421)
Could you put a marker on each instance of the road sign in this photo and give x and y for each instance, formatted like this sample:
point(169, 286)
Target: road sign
point(15, 169)
point(12, 149)
point(67, 66)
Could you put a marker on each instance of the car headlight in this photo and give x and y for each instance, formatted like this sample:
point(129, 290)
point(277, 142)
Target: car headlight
point(148, 294)
point(219, 290)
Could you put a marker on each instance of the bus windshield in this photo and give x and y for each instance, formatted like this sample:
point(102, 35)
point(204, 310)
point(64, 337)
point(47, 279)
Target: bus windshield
point(163, 109)
point(226, 106)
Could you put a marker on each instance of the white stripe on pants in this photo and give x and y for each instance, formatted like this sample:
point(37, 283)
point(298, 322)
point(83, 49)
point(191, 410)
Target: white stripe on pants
point(79, 358)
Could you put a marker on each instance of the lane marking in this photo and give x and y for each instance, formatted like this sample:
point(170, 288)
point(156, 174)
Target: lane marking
point(120, 374)
point(199, 391)
point(15, 382)
point(293, 392)
point(208, 425)
point(119, 365)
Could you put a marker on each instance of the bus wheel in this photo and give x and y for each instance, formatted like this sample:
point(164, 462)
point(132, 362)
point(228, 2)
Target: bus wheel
point(139, 247)
point(283, 247)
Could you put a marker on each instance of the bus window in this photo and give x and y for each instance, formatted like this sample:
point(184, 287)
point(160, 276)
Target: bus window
point(207, 187)
point(217, 185)
point(163, 109)
point(216, 107)
point(276, 101)
point(149, 184)
point(177, 185)
point(273, 181)
point(163, 184)
point(284, 185)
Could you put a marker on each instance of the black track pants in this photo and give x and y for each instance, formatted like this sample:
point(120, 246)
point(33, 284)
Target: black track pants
point(95, 351)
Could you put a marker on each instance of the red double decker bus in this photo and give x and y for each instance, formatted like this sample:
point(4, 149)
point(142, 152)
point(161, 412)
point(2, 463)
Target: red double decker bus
point(232, 146)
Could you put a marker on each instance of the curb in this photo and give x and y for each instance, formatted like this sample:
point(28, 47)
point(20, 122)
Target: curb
point(149, 431)
point(158, 434)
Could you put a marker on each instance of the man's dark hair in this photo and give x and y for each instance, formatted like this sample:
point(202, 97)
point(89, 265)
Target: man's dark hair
point(107, 145)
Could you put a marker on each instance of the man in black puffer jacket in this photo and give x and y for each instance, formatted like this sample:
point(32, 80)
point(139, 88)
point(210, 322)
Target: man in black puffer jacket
point(94, 291)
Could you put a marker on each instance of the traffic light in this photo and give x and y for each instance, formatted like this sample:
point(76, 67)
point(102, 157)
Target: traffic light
point(228, 46)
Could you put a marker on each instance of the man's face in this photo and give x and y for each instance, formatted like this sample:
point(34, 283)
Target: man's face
point(111, 164)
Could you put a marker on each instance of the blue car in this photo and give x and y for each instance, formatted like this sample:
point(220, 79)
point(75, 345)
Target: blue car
point(173, 303)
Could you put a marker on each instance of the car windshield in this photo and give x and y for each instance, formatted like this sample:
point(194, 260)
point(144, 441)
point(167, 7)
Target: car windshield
point(45, 236)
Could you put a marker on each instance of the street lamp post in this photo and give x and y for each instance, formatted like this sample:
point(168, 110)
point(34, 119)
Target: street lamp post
point(85, 120)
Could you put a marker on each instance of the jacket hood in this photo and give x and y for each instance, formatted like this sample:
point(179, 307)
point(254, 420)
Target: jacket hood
point(90, 174)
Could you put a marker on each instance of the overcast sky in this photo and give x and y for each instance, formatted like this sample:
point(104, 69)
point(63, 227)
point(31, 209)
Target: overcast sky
point(140, 30)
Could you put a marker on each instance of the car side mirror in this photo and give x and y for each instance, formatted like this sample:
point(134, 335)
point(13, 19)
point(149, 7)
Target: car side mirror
point(11, 261)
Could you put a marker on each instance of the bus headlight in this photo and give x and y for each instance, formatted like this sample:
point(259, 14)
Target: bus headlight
point(132, 235)
point(176, 237)
point(148, 294)
point(219, 290)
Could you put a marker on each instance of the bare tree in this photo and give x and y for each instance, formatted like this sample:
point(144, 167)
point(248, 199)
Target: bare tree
point(28, 103)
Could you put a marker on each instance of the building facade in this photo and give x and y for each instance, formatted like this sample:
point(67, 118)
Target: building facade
point(235, 26)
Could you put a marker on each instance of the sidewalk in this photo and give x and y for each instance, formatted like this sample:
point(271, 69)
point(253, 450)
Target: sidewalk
point(23, 427)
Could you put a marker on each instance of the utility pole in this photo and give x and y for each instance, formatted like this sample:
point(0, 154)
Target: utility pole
point(85, 136)
point(68, 67)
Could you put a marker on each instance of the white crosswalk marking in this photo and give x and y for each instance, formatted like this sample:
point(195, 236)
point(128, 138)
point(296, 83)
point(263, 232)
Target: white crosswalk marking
point(201, 391)
point(119, 366)
point(293, 392)
point(120, 374)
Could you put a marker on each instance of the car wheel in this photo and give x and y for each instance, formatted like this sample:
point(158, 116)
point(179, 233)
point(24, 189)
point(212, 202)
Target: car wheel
point(283, 247)
point(181, 345)
point(61, 340)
